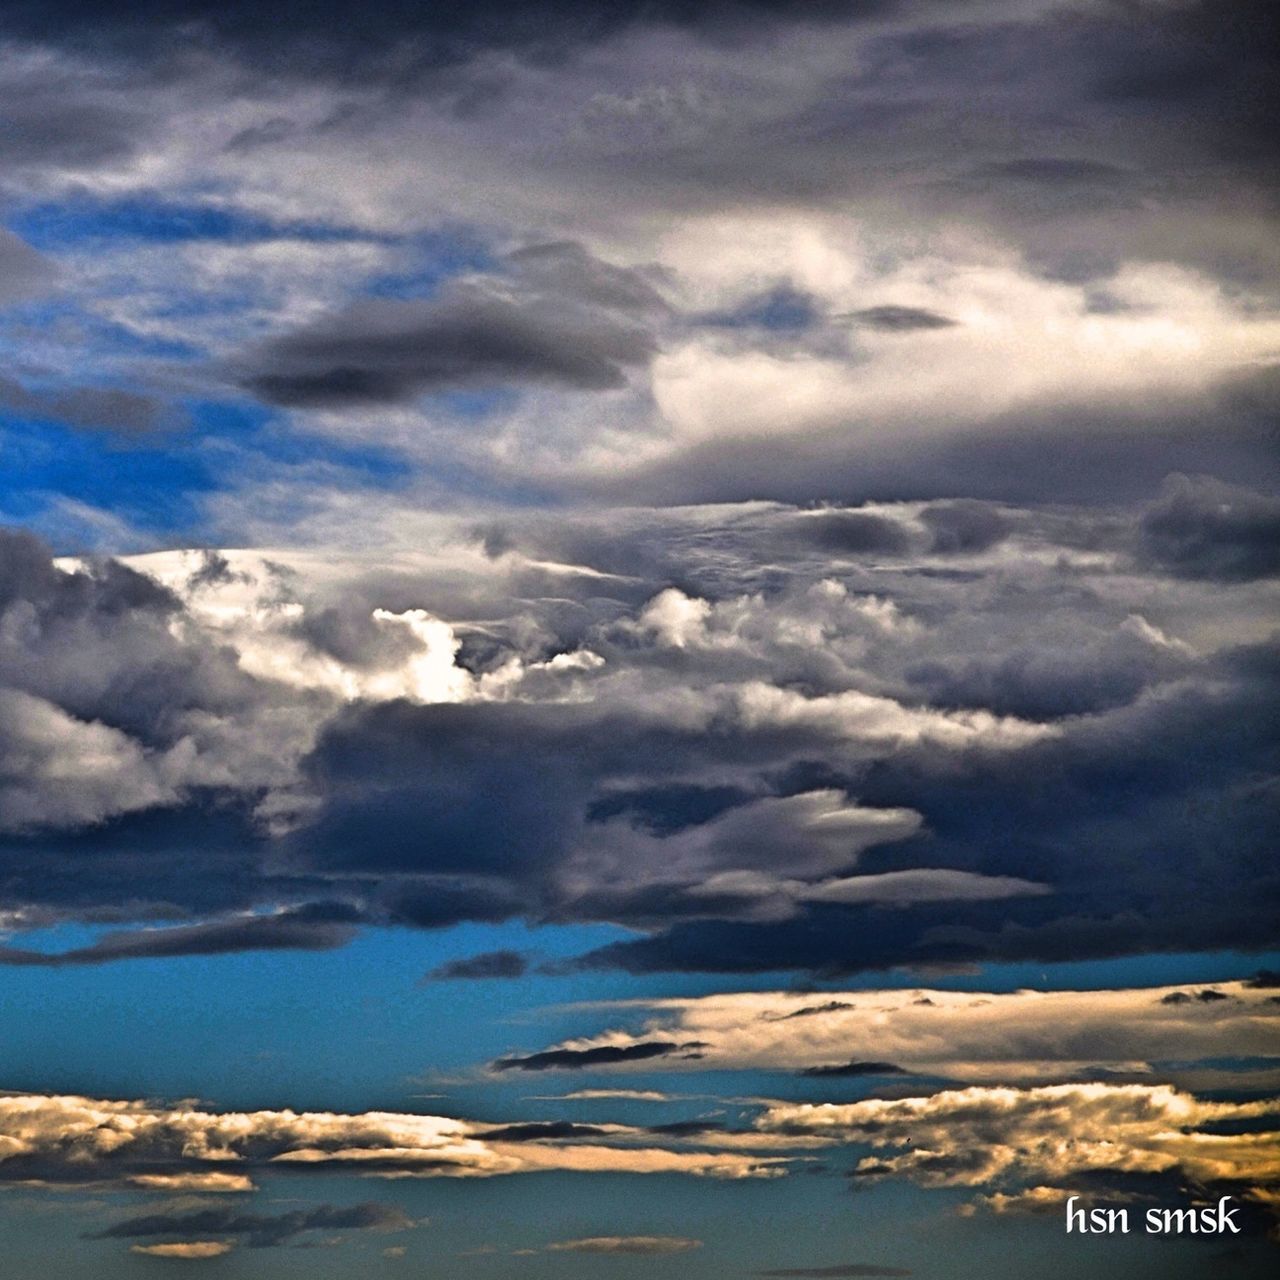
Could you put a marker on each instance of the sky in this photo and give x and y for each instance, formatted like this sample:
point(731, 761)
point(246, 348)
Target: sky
point(638, 639)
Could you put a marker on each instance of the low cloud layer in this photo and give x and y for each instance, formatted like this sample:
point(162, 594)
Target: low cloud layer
point(59, 1140)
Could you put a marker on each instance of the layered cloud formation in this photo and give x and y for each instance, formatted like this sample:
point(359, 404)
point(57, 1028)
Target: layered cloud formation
point(961, 1035)
point(1033, 1142)
point(977, 731)
point(84, 1141)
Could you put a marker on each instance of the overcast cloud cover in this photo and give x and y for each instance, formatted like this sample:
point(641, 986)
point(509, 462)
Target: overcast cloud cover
point(733, 545)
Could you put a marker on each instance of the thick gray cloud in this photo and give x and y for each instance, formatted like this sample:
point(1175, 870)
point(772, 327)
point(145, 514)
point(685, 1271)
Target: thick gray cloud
point(565, 318)
point(1202, 528)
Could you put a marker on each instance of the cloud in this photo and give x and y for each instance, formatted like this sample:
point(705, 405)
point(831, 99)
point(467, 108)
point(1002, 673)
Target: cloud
point(311, 928)
point(433, 39)
point(184, 1249)
point(95, 408)
point(853, 1069)
point(973, 1137)
point(626, 1245)
point(23, 272)
point(965, 526)
point(566, 318)
point(1054, 170)
point(255, 750)
point(596, 1056)
point(1202, 528)
point(260, 1231)
point(631, 1095)
point(964, 1035)
point(896, 319)
point(853, 531)
point(489, 964)
point(65, 1140)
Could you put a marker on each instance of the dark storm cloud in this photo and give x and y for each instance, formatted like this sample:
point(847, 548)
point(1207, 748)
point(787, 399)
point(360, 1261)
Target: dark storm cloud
point(260, 1230)
point(565, 319)
point(1202, 528)
point(489, 964)
point(584, 1059)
